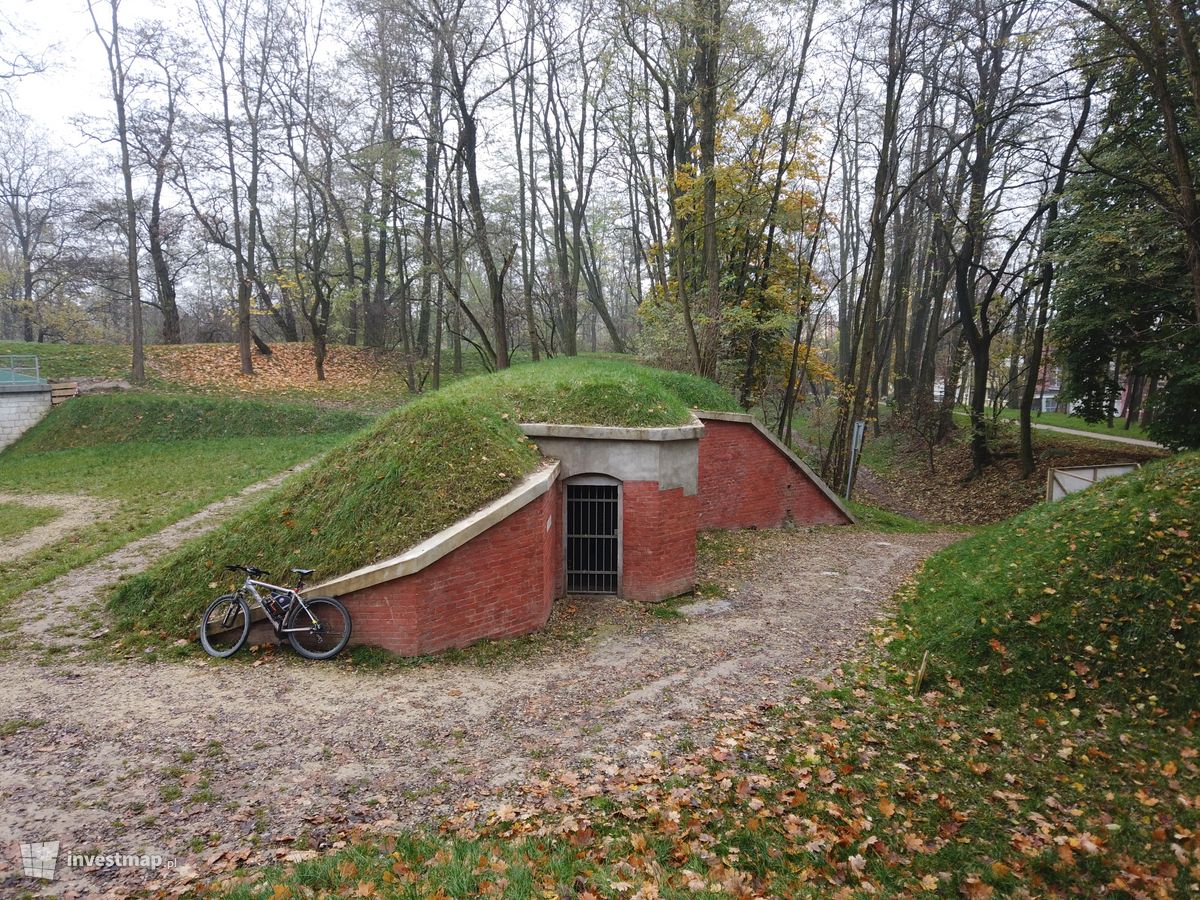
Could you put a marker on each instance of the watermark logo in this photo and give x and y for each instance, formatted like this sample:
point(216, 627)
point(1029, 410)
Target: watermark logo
point(39, 860)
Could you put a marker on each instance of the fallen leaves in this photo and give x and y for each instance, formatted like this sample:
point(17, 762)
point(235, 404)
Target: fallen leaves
point(289, 367)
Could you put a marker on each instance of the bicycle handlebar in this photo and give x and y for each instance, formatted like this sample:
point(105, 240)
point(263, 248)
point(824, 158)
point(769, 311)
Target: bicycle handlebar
point(252, 571)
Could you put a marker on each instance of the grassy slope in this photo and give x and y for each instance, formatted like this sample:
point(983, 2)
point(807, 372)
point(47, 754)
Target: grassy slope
point(158, 418)
point(159, 458)
point(74, 360)
point(1100, 592)
point(971, 789)
point(421, 469)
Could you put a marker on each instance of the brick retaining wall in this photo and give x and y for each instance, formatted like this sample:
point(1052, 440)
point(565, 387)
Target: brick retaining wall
point(501, 583)
point(746, 481)
point(659, 536)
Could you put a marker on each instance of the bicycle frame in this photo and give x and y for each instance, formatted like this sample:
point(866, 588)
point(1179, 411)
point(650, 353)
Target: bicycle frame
point(251, 587)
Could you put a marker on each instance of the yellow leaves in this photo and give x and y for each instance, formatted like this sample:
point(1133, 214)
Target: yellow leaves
point(929, 883)
point(887, 808)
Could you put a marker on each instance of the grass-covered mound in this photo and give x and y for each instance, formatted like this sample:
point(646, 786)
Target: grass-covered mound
point(74, 360)
point(419, 470)
point(1098, 594)
point(144, 417)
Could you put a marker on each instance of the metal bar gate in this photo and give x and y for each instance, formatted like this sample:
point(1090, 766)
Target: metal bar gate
point(592, 536)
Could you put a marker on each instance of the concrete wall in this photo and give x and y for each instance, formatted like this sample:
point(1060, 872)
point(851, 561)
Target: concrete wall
point(667, 456)
point(21, 407)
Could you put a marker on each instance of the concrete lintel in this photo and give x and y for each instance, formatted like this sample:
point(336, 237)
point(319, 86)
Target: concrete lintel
point(687, 432)
point(748, 419)
point(24, 387)
point(430, 550)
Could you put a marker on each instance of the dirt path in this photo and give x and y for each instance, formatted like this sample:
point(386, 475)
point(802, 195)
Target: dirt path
point(63, 613)
point(175, 758)
point(76, 511)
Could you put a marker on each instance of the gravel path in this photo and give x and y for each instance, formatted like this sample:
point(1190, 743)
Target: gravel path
point(63, 613)
point(75, 511)
point(204, 761)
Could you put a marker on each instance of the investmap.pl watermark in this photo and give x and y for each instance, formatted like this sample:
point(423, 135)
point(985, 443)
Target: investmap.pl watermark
point(40, 860)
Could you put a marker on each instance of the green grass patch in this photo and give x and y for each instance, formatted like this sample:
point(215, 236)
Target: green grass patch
point(17, 518)
point(167, 458)
point(419, 470)
point(875, 518)
point(158, 418)
point(1067, 420)
point(75, 360)
point(9, 727)
point(1096, 594)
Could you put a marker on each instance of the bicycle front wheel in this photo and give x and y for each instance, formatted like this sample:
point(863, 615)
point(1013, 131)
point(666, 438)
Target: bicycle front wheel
point(318, 629)
point(225, 625)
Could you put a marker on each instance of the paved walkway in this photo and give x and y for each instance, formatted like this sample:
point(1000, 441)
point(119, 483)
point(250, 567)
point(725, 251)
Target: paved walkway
point(1099, 435)
point(1079, 432)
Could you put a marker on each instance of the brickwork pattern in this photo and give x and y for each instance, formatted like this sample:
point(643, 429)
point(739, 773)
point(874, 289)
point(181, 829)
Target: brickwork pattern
point(499, 584)
point(659, 541)
point(746, 482)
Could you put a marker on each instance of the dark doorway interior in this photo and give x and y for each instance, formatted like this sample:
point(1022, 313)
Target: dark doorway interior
point(593, 542)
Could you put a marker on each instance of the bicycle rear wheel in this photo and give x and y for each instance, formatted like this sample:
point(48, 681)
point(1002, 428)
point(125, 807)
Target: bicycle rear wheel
point(225, 625)
point(321, 632)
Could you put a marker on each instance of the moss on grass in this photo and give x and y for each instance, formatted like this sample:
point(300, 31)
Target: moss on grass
point(419, 470)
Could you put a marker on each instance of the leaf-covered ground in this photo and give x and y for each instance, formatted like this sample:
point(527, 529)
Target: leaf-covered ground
point(890, 780)
point(265, 757)
point(904, 483)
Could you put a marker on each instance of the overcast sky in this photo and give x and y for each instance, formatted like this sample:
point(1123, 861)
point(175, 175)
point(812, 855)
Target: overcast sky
point(76, 82)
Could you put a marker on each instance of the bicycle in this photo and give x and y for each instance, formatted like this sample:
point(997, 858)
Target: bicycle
point(316, 627)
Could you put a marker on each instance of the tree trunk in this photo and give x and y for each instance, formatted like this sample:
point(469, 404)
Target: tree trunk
point(707, 68)
point(117, 73)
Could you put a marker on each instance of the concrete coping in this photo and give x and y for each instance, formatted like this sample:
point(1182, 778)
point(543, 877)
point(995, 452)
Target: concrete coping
point(748, 419)
point(433, 548)
point(24, 387)
point(690, 432)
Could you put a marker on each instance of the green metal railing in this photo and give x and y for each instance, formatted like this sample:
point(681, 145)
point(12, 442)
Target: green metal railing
point(20, 369)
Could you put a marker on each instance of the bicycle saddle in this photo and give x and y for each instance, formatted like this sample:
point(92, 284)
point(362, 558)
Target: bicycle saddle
point(303, 571)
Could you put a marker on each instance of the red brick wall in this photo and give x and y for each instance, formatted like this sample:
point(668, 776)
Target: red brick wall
point(745, 481)
point(659, 541)
point(501, 583)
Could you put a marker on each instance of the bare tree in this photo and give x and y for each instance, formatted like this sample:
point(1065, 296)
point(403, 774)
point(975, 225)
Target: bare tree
point(118, 68)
